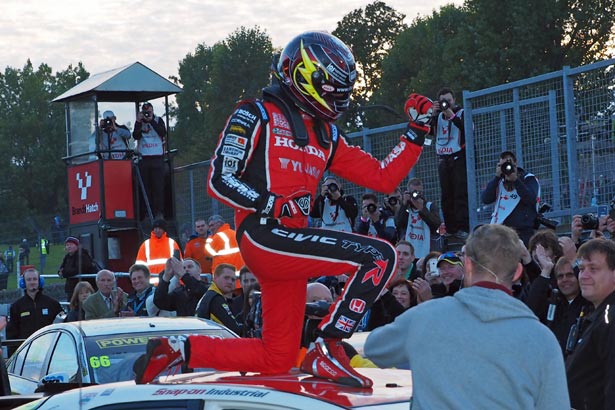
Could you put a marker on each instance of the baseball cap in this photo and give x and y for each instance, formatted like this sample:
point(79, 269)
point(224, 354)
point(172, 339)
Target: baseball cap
point(108, 114)
point(450, 257)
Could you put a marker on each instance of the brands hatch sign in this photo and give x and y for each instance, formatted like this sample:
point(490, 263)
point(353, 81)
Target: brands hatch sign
point(84, 193)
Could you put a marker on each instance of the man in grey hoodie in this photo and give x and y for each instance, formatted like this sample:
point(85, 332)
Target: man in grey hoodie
point(481, 348)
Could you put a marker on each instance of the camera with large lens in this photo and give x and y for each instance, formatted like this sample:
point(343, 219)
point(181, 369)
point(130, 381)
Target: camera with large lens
point(590, 221)
point(416, 195)
point(146, 114)
point(371, 208)
point(444, 104)
point(332, 187)
point(108, 125)
point(542, 220)
point(393, 200)
point(507, 168)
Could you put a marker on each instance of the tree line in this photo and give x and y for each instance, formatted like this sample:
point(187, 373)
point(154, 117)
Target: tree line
point(473, 46)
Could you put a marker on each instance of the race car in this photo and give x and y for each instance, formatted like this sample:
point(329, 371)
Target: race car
point(95, 351)
point(215, 390)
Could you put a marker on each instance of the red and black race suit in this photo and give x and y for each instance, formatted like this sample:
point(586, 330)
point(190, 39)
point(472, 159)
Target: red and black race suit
point(257, 155)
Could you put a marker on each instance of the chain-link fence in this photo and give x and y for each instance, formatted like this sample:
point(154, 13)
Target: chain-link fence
point(190, 181)
point(560, 126)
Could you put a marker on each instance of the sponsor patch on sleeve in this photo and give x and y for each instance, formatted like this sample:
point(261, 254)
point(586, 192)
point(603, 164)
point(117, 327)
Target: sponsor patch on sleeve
point(236, 140)
point(228, 151)
point(230, 165)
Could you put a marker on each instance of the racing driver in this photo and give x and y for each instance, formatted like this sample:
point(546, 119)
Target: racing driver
point(267, 165)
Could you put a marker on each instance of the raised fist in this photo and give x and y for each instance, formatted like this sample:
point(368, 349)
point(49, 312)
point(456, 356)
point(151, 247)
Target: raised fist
point(419, 108)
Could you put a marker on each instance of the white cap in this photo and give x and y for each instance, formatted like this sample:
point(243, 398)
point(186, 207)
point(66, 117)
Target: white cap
point(108, 114)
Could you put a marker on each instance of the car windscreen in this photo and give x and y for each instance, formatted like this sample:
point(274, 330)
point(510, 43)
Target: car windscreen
point(110, 357)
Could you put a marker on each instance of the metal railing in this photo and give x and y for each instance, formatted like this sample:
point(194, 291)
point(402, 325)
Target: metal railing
point(560, 125)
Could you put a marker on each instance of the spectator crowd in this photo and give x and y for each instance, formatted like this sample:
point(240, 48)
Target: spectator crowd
point(566, 283)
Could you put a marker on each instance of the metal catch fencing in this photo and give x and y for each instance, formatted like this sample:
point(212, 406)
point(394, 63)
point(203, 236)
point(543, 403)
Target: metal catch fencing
point(560, 125)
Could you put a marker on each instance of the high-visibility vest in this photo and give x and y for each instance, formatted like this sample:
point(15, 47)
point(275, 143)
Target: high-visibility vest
point(223, 248)
point(44, 246)
point(154, 253)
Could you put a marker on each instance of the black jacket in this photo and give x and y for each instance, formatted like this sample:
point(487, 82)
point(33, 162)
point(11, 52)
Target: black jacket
point(27, 315)
point(383, 231)
point(565, 313)
point(215, 306)
point(591, 367)
point(157, 124)
point(384, 311)
point(74, 315)
point(182, 299)
point(431, 217)
point(75, 264)
point(346, 202)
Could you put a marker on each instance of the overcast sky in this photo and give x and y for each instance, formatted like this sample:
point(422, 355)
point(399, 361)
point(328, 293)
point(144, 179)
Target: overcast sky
point(159, 33)
point(109, 34)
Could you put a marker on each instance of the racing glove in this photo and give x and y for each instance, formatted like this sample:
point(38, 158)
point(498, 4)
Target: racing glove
point(276, 206)
point(420, 109)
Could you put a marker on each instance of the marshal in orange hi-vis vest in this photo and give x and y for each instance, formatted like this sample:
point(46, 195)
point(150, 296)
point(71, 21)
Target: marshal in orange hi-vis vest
point(223, 248)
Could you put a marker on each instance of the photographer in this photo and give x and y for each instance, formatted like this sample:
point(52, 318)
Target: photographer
point(375, 222)
point(336, 210)
point(448, 129)
point(150, 133)
point(418, 219)
point(114, 137)
point(393, 202)
point(515, 193)
point(590, 222)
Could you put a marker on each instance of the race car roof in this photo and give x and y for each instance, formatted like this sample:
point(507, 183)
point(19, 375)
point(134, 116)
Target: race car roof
point(100, 327)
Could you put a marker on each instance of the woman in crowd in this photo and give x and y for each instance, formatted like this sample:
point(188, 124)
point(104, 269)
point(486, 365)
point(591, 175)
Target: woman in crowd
point(80, 294)
point(404, 294)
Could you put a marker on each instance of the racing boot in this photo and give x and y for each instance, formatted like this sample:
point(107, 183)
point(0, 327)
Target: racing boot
point(161, 353)
point(327, 359)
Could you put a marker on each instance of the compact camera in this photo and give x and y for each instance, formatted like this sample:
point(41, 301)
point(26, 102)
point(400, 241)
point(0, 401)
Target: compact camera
point(146, 114)
point(508, 168)
point(416, 195)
